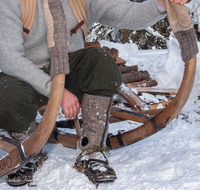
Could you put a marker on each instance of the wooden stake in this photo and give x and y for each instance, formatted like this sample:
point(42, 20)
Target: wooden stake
point(77, 126)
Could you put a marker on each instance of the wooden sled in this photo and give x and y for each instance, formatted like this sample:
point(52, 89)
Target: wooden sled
point(153, 121)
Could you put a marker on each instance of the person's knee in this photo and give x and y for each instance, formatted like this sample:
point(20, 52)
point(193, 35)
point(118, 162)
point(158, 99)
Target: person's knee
point(102, 59)
point(99, 55)
point(105, 72)
point(108, 67)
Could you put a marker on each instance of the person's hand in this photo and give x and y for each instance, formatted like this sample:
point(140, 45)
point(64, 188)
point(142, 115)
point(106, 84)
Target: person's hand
point(162, 2)
point(181, 2)
point(70, 104)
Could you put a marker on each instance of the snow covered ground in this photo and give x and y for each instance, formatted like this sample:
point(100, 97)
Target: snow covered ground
point(167, 160)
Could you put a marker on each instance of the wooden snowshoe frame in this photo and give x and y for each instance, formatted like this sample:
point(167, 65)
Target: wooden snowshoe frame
point(153, 122)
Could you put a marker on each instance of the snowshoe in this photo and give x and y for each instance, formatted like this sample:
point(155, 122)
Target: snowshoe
point(24, 175)
point(97, 170)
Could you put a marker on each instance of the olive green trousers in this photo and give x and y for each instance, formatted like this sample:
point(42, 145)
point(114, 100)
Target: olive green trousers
point(92, 71)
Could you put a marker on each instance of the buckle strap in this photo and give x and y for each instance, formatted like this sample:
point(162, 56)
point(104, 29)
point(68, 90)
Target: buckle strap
point(119, 138)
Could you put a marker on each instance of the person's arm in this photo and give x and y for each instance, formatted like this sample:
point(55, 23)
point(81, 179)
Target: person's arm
point(12, 52)
point(124, 14)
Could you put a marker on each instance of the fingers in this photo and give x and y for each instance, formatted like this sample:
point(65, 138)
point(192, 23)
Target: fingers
point(71, 109)
point(71, 112)
point(70, 104)
point(181, 2)
point(77, 109)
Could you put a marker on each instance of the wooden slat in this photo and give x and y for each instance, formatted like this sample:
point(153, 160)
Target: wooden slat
point(144, 83)
point(164, 104)
point(68, 140)
point(155, 91)
point(6, 146)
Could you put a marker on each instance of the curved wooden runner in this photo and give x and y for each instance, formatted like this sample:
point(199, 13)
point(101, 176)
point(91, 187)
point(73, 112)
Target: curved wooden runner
point(159, 121)
point(17, 152)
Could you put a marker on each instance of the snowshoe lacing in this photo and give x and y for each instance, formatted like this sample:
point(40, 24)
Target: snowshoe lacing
point(85, 163)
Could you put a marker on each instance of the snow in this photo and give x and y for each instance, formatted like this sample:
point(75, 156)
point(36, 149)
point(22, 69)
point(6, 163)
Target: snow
point(167, 160)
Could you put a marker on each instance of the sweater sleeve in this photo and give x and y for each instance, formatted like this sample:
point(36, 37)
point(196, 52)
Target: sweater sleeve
point(124, 14)
point(12, 52)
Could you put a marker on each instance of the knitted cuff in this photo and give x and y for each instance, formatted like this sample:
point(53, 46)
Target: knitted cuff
point(188, 44)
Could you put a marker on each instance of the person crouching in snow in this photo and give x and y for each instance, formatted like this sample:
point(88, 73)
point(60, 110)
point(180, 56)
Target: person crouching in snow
point(92, 76)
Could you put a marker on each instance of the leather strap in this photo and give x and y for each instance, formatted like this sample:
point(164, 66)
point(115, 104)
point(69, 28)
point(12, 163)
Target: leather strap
point(73, 30)
point(79, 8)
